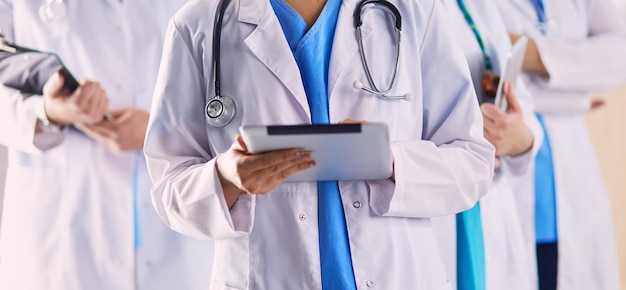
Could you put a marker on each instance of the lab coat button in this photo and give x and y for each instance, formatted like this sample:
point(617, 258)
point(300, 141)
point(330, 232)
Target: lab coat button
point(302, 217)
point(356, 204)
point(369, 283)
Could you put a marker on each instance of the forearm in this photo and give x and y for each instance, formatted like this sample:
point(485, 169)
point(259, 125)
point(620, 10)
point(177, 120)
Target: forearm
point(19, 114)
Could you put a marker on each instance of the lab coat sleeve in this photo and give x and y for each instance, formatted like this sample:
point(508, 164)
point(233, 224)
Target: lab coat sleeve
point(451, 168)
point(19, 106)
point(593, 64)
point(518, 165)
point(187, 193)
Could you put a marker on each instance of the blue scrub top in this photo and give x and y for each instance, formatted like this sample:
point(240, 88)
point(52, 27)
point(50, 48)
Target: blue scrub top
point(312, 49)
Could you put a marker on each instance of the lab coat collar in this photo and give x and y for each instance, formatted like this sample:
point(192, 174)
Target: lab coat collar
point(252, 11)
point(271, 47)
point(345, 45)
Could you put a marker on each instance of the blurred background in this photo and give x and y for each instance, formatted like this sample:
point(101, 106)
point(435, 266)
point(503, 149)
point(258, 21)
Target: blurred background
point(608, 132)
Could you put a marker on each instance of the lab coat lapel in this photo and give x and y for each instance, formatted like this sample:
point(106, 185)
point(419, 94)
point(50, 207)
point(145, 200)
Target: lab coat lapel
point(268, 44)
point(345, 46)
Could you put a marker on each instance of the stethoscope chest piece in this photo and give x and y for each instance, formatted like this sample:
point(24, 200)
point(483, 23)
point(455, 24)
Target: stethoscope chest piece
point(219, 111)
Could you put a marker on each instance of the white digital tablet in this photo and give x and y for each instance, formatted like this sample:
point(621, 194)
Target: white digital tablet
point(341, 151)
point(511, 70)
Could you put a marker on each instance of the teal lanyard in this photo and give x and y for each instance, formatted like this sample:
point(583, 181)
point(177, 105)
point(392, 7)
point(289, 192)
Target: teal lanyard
point(472, 25)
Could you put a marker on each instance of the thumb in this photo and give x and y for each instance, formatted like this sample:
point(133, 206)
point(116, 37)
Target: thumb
point(54, 85)
point(511, 100)
point(241, 144)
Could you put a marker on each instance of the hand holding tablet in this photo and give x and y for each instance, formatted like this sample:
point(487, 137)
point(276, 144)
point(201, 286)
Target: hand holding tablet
point(341, 151)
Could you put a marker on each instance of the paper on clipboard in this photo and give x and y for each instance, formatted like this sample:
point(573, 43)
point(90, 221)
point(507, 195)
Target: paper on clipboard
point(341, 151)
point(511, 70)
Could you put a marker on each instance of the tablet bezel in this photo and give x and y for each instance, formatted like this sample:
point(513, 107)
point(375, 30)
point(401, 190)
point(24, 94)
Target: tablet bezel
point(341, 151)
point(511, 70)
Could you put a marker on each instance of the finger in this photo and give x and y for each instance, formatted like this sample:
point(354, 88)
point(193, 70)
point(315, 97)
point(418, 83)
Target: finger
point(511, 99)
point(118, 112)
point(241, 144)
point(270, 159)
point(280, 168)
point(98, 105)
point(101, 130)
point(55, 84)
point(294, 168)
point(84, 99)
point(491, 112)
point(489, 128)
point(352, 121)
point(106, 116)
point(271, 182)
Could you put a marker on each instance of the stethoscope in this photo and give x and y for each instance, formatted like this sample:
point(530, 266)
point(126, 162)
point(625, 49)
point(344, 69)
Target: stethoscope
point(53, 10)
point(220, 110)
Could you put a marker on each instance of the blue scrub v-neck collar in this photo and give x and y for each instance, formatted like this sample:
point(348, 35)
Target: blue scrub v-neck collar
point(294, 26)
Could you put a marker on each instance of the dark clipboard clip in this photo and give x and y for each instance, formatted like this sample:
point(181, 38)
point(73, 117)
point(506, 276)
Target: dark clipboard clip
point(69, 81)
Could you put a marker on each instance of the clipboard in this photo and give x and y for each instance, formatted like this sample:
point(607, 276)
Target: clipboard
point(511, 71)
point(70, 82)
point(341, 151)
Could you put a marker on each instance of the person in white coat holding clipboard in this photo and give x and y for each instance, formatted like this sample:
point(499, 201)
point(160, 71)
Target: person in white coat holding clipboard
point(297, 62)
point(78, 214)
point(576, 48)
point(514, 131)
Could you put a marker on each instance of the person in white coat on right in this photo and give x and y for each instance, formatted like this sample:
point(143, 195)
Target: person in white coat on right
point(515, 132)
point(576, 48)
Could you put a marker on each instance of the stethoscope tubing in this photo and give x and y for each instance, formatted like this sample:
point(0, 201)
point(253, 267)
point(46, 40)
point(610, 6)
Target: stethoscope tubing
point(226, 104)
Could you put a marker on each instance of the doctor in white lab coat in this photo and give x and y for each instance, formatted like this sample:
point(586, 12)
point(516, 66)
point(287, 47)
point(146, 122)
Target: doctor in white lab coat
point(515, 133)
point(442, 162)
point(68, 220)
point(581, 52)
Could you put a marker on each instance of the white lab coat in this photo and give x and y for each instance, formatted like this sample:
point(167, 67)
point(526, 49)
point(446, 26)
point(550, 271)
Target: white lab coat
point(68, 215)
point(583, 53)
point(271, 241)
point(506, 261)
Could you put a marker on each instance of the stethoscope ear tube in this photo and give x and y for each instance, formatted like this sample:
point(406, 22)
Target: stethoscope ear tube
point(373, 89)
point(359, 10)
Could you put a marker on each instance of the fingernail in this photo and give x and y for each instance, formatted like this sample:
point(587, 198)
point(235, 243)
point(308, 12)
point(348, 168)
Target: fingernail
point(298, 153)
point(310, 164)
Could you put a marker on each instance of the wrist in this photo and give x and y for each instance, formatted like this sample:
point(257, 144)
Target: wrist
point(526, 145)
point(45, 123)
